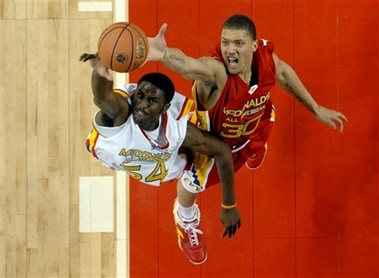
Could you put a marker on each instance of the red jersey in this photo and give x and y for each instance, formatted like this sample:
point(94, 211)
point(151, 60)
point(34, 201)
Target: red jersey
point(243, 115)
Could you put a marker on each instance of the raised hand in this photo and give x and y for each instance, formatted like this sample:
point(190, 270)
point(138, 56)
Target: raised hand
point(157, 45)
point(96, 64)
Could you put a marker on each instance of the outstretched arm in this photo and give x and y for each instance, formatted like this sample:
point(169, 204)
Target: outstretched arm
point(108, 102)
point(203, 142)
point(289, 80)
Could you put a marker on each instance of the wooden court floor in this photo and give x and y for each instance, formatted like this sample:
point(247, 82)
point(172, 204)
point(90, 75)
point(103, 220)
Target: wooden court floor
point(46, 110)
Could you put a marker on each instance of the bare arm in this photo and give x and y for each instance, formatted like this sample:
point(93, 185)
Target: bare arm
point(289, 81)
point(203, 142)
point(110, 103)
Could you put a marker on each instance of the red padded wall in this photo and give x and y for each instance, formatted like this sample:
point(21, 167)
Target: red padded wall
point(312, 209)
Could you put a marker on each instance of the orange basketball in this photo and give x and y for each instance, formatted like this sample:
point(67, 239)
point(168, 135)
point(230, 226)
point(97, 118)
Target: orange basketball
point(123, 47)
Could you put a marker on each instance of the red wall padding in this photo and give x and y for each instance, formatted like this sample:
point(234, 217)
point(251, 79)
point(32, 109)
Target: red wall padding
point(312, 210)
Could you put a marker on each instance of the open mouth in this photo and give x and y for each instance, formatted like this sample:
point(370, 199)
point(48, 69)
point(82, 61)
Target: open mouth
point(233, 62)
point(139, 113)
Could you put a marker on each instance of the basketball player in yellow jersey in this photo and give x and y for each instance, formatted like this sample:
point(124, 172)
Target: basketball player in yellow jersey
point(140, 129)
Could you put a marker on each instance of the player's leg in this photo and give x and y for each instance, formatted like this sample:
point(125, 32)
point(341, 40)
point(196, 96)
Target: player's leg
point(185, 197)
point(256, 160)
point(187, 221)
point(259, 145)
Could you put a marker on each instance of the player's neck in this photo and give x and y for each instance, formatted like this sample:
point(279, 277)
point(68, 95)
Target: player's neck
point(246, 77)
point(151, 126)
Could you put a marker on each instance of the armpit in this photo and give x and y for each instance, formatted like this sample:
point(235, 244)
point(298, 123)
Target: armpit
point(105, 120)
point(207, 93)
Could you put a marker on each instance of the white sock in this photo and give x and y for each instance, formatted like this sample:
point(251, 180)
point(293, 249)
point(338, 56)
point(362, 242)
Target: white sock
point(187, 212)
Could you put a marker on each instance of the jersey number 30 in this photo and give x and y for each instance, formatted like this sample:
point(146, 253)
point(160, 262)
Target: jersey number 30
point(238, 130)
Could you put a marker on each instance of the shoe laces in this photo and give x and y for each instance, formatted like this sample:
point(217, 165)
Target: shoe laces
point(192, 231)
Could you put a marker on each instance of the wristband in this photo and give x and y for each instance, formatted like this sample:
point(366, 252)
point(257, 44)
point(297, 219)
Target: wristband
point(228, 206)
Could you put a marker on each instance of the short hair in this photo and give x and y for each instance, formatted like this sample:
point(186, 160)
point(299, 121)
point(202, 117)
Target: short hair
point(241, 22)
point(162, 82)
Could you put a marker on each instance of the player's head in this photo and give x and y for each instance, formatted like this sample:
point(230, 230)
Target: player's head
point(162, 82)
point(238, 43)
point(152, 98)
point(241, 22)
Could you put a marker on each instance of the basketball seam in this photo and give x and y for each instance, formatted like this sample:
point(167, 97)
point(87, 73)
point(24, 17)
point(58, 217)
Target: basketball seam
point(116, 43)
point(142, 35)
point(132, 48)
point(104, 34)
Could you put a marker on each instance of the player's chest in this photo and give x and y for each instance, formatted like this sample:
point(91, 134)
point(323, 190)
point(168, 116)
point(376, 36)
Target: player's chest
point(243, 102)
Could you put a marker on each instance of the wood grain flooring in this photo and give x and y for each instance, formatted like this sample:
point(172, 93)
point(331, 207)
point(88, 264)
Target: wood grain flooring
point(46, 109)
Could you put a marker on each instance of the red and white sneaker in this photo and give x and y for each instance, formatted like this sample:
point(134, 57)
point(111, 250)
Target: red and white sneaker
point(190, 237)
point(256, 160)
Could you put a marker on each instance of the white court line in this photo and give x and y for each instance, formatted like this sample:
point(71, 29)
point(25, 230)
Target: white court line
point(120, 13)
point(96, 204)
point(104, 6)
point(122, 240)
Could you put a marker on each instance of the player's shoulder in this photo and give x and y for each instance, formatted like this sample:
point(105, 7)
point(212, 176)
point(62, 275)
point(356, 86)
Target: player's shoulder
point(211, 60)
point(180, 106)
point(126, 89)
point(265, 47)
point(266, 44)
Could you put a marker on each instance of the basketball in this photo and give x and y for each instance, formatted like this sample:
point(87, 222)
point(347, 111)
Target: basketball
point(122, 47)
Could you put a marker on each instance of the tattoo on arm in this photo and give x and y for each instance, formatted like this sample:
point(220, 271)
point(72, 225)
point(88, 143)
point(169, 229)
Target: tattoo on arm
point(204, 60)
point(292, 92)
point(176, 58)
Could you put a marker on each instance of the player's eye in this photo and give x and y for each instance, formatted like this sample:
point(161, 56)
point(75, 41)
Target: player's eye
point(239, 43)
point(140, 94)
point(153, 100)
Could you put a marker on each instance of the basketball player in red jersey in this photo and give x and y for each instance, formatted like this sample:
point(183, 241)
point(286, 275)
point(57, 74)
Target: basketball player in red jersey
point(232, 90)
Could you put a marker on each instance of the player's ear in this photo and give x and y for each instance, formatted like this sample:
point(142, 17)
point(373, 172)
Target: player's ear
point(255, 45)
point(166, 107)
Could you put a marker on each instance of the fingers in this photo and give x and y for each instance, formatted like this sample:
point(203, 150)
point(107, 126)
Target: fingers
point(341, 126)
point(162, 30)
point(82, 56)
point(231, 230)
point(332, 124)
point(340, 118)
point(334, 118)
point(224, 232)
point(85, 57)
